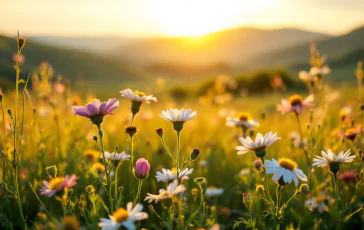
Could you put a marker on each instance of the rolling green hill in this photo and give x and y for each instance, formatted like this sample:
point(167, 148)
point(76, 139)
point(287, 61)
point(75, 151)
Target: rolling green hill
point(228, 46)
point(340, 47)
point(72, 64)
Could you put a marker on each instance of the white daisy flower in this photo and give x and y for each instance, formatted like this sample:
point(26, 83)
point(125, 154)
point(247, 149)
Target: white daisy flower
point(320, 71)
point(305, 76)
point(295, 104)
point(169, 175)
point(259, 145)
point(125, 218)
point(123, 156)
point(332, 160)
point(137, 96)
point(178, 117)
point(212, 191)
point(286, 169)
point(172, 190)
point(242, 119)
point(319, 203)
point(175, 115)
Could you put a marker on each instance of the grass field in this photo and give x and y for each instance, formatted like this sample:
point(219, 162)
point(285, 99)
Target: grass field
point(40, 133)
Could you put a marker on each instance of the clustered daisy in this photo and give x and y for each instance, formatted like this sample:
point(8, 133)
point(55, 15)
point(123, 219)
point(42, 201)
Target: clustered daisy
point(259, 145)
point(168, 175)
point(284, 169)
point(124, 218)
point(295, 104)
point(164, 194)
point(57, 184)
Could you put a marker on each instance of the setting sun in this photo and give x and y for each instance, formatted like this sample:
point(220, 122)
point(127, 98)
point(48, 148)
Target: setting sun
point(196, 18)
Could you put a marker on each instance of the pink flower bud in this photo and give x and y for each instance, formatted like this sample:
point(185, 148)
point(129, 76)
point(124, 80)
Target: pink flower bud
point(142, 168)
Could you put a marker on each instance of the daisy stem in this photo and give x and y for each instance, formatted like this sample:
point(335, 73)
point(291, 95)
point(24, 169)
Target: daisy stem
point(137, 197)
point(106, 171)
point(268, 194)
point(304, 149)
point(336, 187)
point(178, 150)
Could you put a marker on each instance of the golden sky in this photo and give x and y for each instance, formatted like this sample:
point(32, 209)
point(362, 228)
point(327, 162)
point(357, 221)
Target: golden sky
point(174, 17)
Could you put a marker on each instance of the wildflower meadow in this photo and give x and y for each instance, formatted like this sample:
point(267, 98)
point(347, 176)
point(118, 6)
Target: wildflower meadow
point(139, 159)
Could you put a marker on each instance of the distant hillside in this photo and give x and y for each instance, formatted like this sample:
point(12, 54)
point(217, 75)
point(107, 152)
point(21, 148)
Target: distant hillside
point(71, 64)
point(229, 46)
point(334, 48)
point(100, 45)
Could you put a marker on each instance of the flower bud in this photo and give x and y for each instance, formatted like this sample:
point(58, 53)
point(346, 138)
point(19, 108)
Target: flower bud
point(247, 200)
point(159, 131)
point(142, 168)
point(131, 130)
point(52, 171)
point(257, 164)
point(194, 154)
point(304, 189)
point(101, 133)
point(10, 113)
point(260, 188)
point(21, 43)
point(95, 138)
point(251, 132)
point(1, 97)
point(90, 189)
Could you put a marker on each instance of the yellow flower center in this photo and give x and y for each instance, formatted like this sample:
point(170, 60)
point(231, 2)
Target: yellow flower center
point(139, 93)
point(287, 163)
point(98, 167)
point(56, 182)
point(163, 194)
point(244, 116)
point(320, 199)
point(121, 215)
point(92, 100)
point(350, 131)
point(295, 99)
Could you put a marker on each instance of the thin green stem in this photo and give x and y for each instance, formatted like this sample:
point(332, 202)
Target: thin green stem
point(178, 152)
point(304, 149)
point(106, 170)
point(336, 187)
point(137, 197)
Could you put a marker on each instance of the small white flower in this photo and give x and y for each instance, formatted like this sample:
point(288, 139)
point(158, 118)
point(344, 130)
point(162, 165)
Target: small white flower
point(305, 76)
point(244, 172)
point(242, 119)
point(169, 175)
point(320, 71)
point(285, 168)
point(116, 156)
point(172, 190)
point(213, 191)
point(319, 203)
point(125, 218)
point(175, 115)
point(295, 104)
point(329, 157)
point(260, 142)
point(137, 96)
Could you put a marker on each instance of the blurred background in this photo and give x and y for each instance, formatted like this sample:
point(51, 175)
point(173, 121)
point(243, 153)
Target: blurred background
point(180, 46)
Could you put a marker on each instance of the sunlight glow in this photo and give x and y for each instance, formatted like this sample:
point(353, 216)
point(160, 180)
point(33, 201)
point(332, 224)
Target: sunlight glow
point(196, 18)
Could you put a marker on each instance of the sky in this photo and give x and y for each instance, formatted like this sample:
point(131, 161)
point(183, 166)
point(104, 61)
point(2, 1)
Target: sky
point(138, 18)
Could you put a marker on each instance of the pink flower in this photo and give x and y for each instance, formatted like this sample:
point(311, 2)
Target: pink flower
point(57, 184)
point(142, 168)
point(347, 176)
point(295, 104)
point(96, 110)
point(59, 87)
